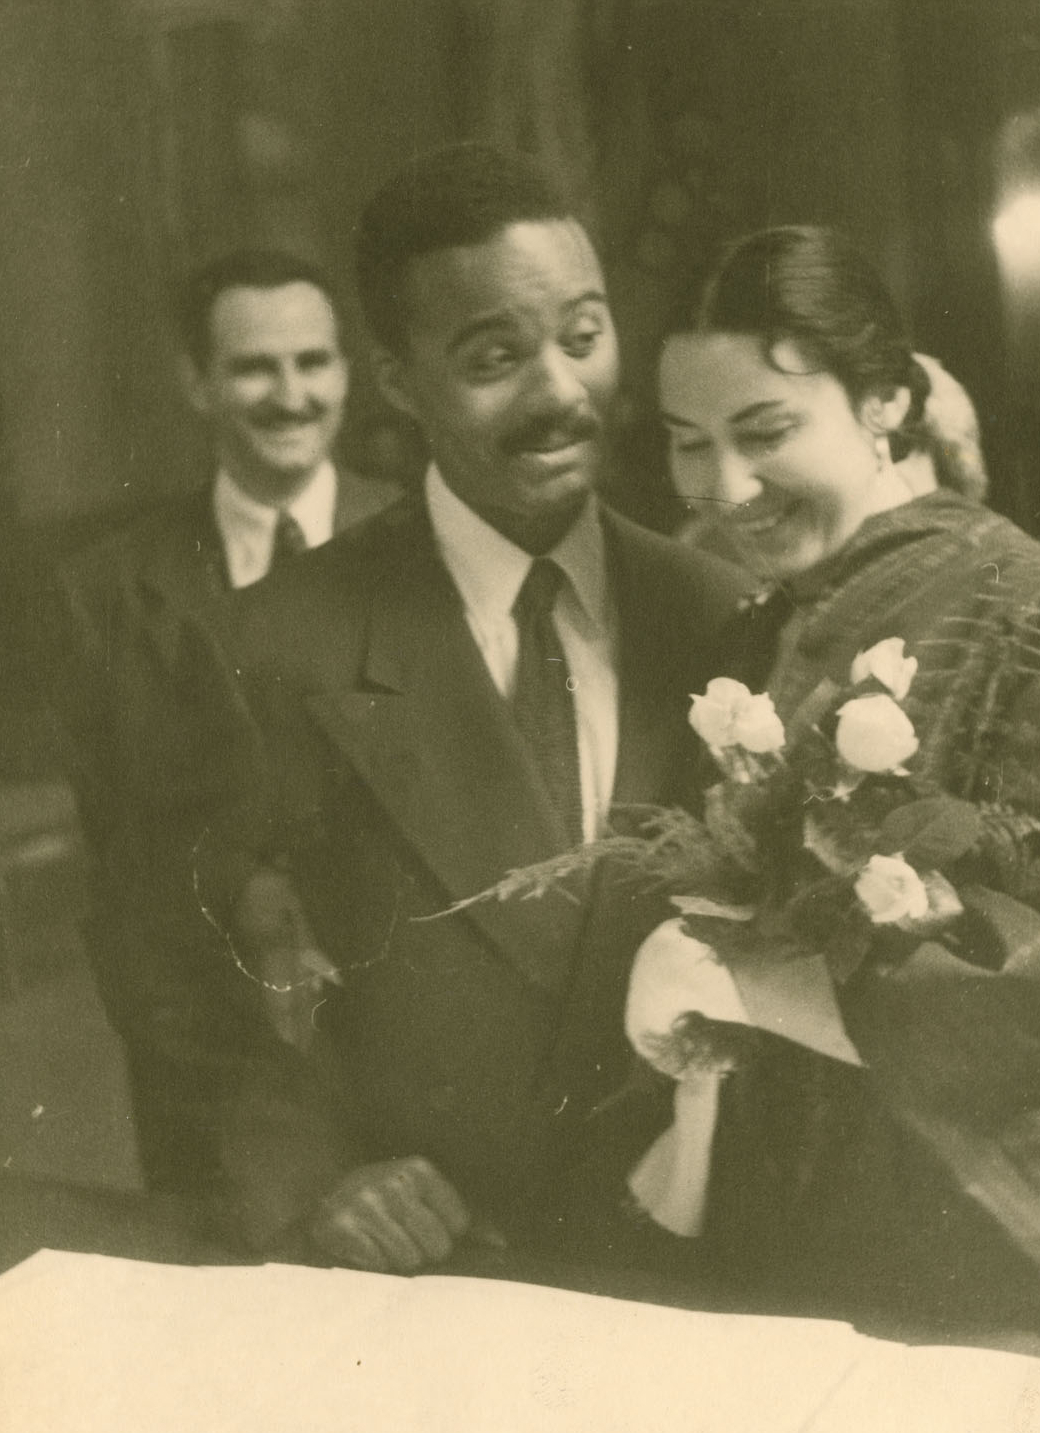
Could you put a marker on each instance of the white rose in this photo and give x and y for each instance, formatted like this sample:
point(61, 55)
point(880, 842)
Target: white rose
point(887, 663)
point(757, 726)
point(874, 734)
point(711, 715)
point(728, 714)
point(891, 891)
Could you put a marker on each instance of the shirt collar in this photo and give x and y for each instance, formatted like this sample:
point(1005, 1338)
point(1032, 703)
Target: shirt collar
point(489, 570)
point(314, 507)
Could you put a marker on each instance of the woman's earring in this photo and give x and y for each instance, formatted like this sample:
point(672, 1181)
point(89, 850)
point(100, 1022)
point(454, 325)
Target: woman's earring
point(883, 450)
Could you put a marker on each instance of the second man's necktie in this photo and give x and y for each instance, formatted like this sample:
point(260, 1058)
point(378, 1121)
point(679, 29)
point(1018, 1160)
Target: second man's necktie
point(289, 540)
point(543, 704)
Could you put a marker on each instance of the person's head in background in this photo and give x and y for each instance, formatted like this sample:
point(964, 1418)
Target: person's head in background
point(794, 404)
point(489, 313)
point(264, 365)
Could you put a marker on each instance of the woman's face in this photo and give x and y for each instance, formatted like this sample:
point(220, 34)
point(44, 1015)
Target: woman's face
point(776, 454)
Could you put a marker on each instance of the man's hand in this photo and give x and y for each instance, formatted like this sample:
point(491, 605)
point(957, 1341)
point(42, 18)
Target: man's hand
point(279, 949)
point(392, 1218)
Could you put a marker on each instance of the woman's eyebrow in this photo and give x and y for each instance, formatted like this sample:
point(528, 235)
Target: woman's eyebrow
point(755, 410)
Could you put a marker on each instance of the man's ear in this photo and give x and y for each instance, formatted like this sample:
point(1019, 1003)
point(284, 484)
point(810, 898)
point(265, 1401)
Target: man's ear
point(883, 414)
point(193, 384)
point(391, 375)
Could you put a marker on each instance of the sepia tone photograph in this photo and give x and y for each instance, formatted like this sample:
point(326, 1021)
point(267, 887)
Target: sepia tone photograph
point(520, 715)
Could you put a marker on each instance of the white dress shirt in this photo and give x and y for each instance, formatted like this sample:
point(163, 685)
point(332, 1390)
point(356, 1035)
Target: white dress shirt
point(247, 527)
point(489, 570)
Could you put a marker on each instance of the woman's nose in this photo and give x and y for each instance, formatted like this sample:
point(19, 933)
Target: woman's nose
point(735, 480)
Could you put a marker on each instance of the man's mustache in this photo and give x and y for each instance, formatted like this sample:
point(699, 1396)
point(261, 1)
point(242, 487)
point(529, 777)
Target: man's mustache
point(552, 433)
point(280, 417)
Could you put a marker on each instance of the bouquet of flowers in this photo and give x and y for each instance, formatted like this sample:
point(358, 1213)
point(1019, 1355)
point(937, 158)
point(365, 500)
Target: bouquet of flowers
point(828, 847)
point(850, 915)
point(833, 894)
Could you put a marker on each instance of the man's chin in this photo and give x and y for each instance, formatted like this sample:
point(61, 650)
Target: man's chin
point(287, 457)
point(541, 522)
point(273, 482)
point(564, 497)
point(548, 486)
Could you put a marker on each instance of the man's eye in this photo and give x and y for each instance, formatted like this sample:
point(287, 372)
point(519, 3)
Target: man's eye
point(581, 343)
point(487, 362)
point(250, 368)
point(312, 362)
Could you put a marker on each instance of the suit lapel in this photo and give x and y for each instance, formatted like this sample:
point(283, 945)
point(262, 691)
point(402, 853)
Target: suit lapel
point(652, 731)
point(430, 735)
point(182, 571)
point(360, 498)
point(187, 560)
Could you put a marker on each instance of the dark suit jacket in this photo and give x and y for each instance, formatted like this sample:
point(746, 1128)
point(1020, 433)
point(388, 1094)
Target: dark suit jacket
point(126, 627)
point(395, 785)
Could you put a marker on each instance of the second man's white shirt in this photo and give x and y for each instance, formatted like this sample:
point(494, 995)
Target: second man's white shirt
point(247, 527)
point(489, 570)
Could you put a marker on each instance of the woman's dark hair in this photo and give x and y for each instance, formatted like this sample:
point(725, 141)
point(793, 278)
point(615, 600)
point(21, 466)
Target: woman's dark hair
point(813, 287)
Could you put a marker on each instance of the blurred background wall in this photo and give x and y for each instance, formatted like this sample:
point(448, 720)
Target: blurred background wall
point(139, 137)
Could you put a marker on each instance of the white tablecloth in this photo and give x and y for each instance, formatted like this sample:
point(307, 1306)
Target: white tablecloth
point(96, 1345)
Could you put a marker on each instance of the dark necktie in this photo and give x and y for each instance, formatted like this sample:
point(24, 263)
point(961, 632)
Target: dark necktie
point(289, 540)
point(543, 707)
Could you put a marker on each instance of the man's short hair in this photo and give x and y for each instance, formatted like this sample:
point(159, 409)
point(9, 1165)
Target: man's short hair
point(243, 268)
point(454, 196)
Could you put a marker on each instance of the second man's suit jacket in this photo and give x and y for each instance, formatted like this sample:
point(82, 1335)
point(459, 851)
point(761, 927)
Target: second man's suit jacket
point(124, 629)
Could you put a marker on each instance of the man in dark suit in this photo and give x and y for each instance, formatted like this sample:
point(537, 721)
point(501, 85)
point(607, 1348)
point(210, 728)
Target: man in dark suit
point(450, 1071)
point(263, 363)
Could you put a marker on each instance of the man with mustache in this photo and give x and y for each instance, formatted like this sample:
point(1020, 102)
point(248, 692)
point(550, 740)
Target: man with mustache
point(430, 722)
point(264, 366)
point(263, 363)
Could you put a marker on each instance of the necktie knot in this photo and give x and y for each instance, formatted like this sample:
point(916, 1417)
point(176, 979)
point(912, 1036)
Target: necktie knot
point(289, 540)
point(539, 589)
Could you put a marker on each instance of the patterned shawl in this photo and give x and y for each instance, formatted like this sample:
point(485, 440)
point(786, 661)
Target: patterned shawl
point(962, 586)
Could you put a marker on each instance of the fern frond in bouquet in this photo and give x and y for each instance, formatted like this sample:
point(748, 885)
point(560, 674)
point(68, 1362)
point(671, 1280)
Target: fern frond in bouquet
point(663, 848)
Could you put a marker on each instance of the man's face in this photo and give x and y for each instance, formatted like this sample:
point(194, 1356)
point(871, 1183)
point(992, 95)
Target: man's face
point(510, 367)
point(274, 385)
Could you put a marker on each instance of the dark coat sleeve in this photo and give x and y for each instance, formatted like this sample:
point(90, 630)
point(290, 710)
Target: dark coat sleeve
point(150, 746)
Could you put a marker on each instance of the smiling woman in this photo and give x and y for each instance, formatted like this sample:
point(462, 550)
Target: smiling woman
point(797, 416)
point(776, 449)
point(794, 403)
